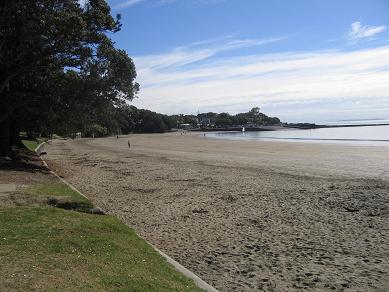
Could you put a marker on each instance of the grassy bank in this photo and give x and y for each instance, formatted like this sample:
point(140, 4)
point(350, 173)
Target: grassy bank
point(44, 247)
point(30, 144)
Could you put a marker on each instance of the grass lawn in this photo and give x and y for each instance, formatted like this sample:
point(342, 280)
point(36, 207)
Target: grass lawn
point(60, 195)
point(43, 247)
point(30, 144)
point(58, 190)
point(55, 249)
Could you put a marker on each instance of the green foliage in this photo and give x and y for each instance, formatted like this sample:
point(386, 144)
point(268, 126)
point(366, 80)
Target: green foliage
point(59, 70)
point(146, 121)
point(30, 144)
point(253, 117)
point(126, 119)
point(97, 131)
point(223, 120)
point(241, 119)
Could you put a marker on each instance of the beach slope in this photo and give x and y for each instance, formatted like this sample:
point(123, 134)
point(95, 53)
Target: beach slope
point(245, 215)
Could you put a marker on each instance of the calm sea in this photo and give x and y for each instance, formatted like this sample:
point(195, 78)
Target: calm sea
point(367, 135)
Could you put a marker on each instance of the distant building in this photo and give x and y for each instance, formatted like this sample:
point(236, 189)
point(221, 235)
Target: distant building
point(204, 121)
point(185, 126)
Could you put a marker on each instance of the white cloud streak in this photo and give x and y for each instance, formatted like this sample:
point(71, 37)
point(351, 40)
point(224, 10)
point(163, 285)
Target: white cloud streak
point(196, 52)
point(359, 31)
point(126, 4)
point(192, 77)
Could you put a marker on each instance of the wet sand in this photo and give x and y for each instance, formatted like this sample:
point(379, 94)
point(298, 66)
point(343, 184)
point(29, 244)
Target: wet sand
point(246, 215)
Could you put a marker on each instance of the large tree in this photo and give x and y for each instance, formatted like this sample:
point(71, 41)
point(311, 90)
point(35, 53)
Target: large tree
point(224, 120)
point(58, 67)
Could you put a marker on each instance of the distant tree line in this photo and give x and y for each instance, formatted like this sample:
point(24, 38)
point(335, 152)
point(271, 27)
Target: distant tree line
point(251, 118)
point(125, 119)
point(129, 119)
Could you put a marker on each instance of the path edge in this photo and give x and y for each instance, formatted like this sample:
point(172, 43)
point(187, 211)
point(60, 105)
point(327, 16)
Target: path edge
point(200, 283)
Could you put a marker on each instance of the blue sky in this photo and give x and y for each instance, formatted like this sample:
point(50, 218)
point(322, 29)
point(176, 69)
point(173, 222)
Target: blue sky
point(300, 60)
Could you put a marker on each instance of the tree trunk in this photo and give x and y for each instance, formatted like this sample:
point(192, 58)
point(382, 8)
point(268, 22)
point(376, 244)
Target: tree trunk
point(5, 83)
point(14, 133)
point(5, 141)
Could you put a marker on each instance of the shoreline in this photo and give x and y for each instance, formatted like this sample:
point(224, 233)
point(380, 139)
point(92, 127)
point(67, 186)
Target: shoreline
point(325, 141)
point(298, 126)
point(245, 215)
point(359, 137)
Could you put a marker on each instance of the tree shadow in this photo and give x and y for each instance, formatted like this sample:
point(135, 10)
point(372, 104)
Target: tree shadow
point(23, 160)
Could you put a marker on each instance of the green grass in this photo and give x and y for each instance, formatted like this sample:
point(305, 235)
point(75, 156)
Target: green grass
point(55, 190)
point(54, 249)
point(30, 144)
point(55, 136)
point(61, 195)
point(41, 140)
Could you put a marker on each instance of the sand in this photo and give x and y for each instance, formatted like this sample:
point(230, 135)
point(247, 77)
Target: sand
point(243, 215)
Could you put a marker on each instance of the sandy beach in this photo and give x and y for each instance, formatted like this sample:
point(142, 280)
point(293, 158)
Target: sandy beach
point(245, 215)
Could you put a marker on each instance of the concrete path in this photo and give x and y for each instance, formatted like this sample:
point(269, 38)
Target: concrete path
point(7, 188)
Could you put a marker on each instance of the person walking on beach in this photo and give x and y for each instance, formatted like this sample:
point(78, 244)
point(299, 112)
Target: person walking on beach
point(129, 145)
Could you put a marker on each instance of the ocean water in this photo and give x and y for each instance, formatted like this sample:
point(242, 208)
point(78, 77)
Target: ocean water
point(366, 135)
point(356, 121)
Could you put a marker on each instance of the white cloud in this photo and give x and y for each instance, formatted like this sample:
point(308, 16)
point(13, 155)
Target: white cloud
point(157, 3)
point(196, 52)
point(167, 1)
point(359, 31)
point(126, 4)
point(192, 77)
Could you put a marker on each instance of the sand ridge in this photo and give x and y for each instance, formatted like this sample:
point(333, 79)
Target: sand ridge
point(245, 215)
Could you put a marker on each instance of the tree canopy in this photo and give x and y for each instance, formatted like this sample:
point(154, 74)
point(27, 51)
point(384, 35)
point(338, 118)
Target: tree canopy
point(59, 69)
point(253, 117)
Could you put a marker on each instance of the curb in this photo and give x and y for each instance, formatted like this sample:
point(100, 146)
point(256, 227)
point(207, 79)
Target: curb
point(196, 279)
point(38, 150)
point(180, 268)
